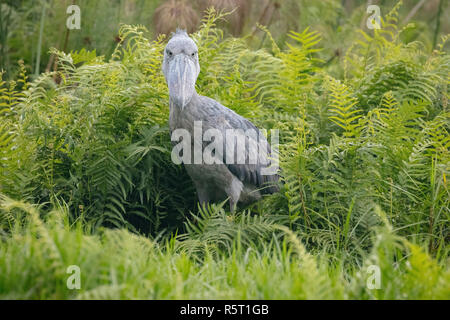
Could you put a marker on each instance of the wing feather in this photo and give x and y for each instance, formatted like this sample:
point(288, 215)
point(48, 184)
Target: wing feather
point(220, 117)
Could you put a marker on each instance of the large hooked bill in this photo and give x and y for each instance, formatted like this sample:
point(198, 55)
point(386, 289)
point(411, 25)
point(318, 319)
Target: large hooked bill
point(181, 80)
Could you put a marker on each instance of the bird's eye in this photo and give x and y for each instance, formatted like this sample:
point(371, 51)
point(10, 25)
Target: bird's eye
point(193, 54)
point(169, 53)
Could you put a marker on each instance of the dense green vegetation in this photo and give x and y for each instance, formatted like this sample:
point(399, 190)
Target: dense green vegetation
point(86, 177)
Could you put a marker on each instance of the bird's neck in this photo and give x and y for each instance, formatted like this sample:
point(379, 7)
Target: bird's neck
point(178, 117)
point(174, 105)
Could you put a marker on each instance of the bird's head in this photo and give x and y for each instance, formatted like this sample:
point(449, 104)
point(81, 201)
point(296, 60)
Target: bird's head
point(181, 68)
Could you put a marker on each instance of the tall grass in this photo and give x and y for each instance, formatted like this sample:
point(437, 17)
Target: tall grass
point(117, 264)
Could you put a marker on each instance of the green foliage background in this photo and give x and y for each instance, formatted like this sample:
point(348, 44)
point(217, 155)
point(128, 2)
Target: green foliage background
point(86, 176)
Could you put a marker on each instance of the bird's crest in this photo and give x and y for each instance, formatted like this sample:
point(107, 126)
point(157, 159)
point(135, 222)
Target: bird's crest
point(180, 32)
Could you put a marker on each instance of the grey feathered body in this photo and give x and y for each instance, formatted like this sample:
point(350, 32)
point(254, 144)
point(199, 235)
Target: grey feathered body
point(216, 182)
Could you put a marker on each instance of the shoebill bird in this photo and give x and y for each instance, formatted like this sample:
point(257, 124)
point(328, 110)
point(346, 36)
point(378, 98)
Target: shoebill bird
point(233, 175)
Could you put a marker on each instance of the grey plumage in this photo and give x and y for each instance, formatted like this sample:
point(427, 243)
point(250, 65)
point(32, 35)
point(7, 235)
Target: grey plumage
point(238, 181)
